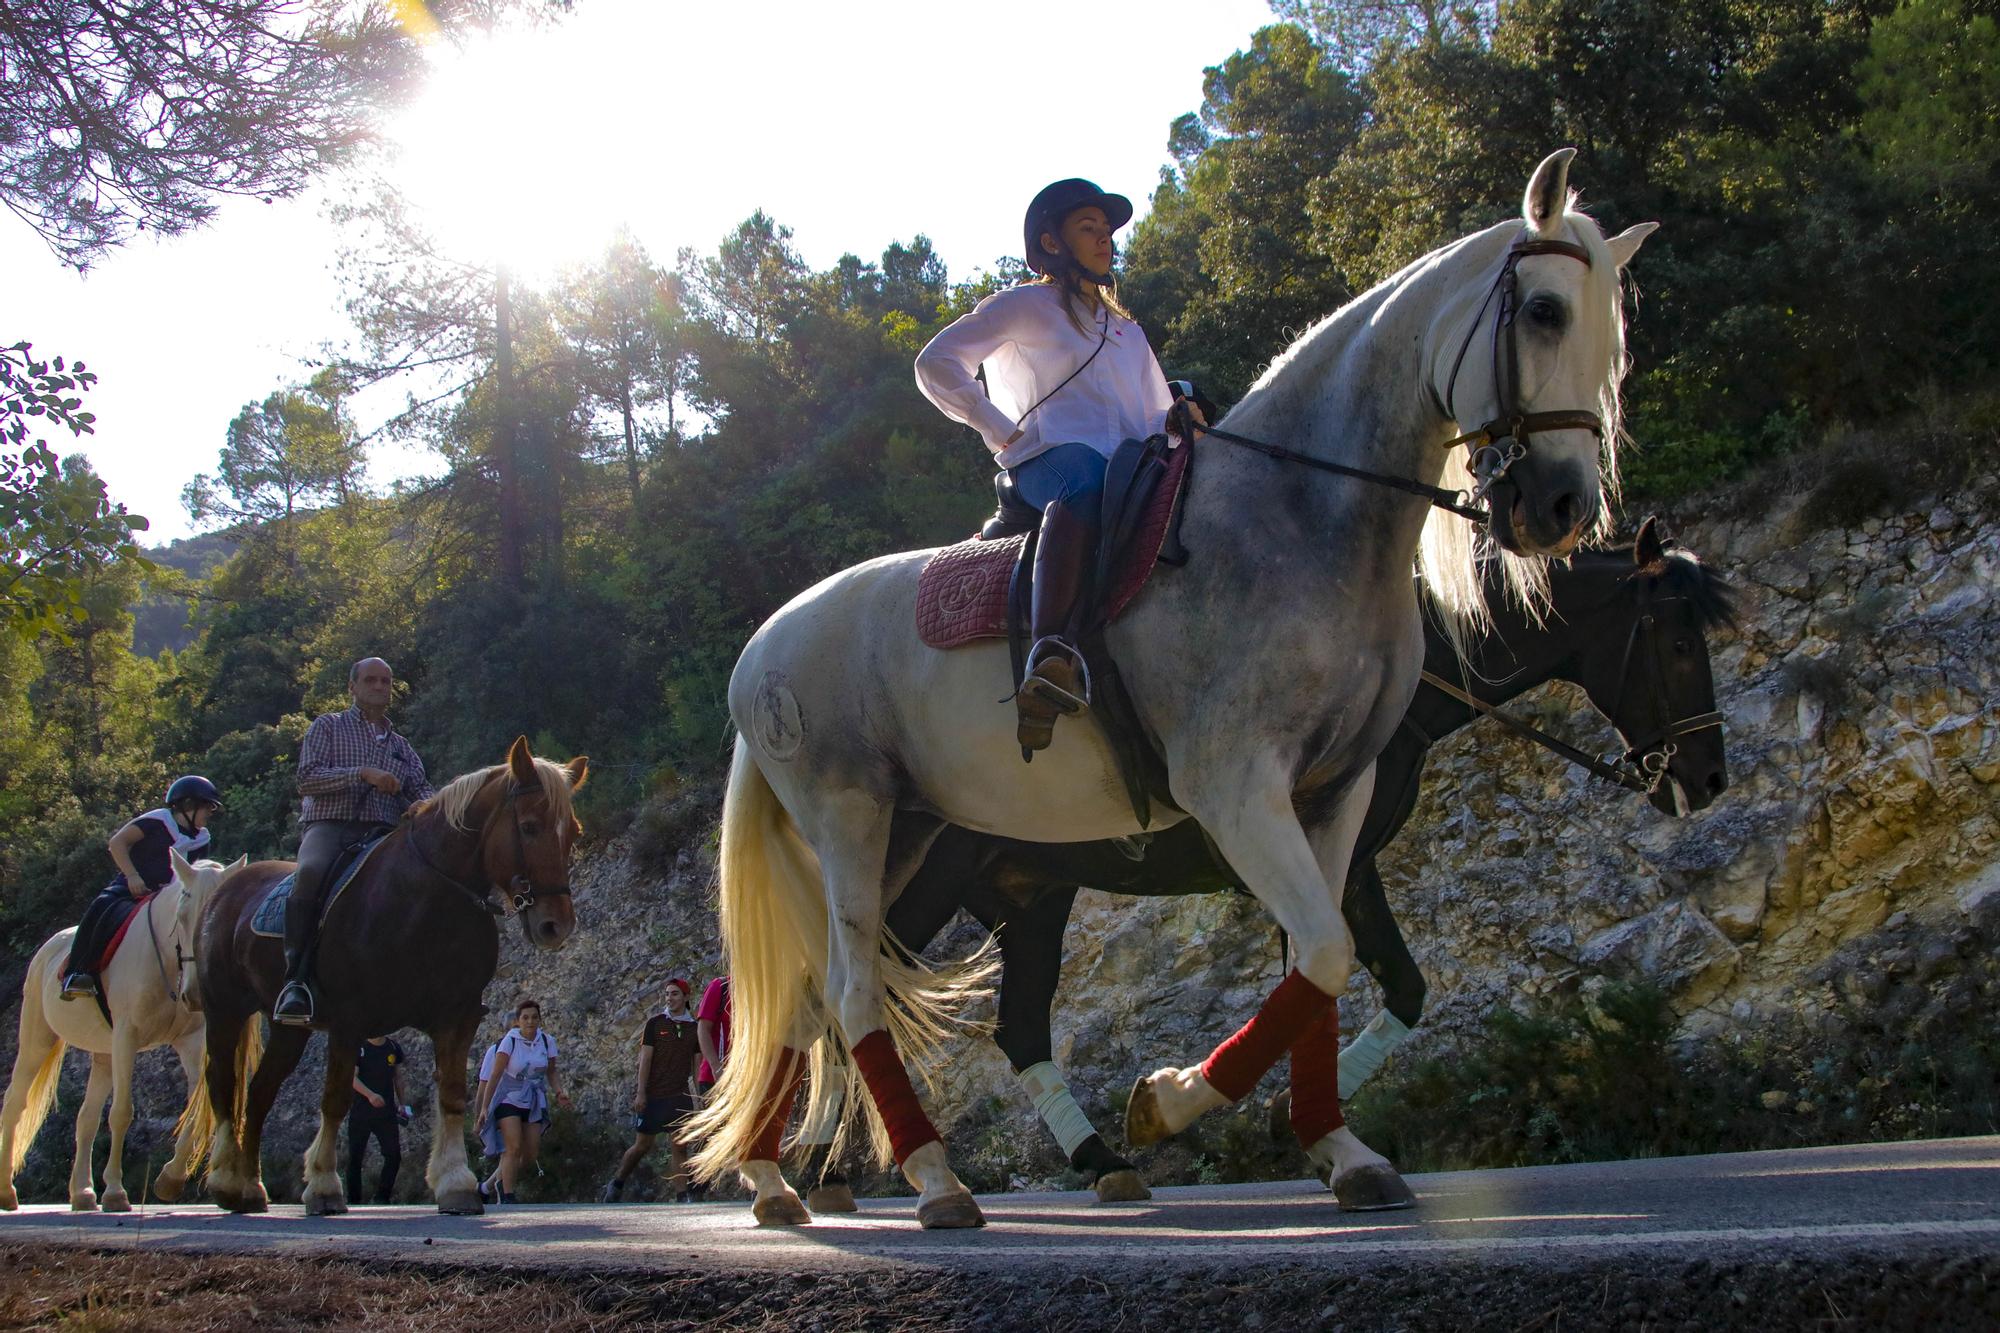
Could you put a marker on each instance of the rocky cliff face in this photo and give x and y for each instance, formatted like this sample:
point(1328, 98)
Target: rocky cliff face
point(1852, 855)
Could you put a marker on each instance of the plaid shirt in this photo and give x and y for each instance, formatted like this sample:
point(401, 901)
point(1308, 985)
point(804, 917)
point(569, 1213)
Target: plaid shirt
point(336, 748)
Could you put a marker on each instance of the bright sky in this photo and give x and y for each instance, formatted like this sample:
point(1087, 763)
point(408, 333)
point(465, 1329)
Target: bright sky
point(854, 125)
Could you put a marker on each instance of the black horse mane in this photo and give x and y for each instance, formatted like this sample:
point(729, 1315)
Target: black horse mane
point(1682, 574)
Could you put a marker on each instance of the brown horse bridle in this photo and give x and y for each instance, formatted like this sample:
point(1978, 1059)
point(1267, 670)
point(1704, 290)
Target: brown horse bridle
point(525, 892)
point(1502, 442)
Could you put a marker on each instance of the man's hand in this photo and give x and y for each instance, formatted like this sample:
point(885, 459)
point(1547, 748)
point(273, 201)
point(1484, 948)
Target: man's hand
point(375, 1100)
point(385, 782)
point(639, 1105)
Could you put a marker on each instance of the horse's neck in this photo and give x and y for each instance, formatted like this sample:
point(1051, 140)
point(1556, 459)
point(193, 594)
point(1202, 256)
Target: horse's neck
point(1362, 388)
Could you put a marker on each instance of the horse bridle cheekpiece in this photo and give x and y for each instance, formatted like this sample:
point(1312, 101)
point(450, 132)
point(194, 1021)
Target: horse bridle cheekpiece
point(523, 890)
point(1651, 756)
point(1502, 442)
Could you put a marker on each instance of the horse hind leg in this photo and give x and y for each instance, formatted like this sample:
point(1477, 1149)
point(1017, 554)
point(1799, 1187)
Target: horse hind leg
point(323, 1195)
point(854, 857)
point(282, 1056)
point(82, 1198)
point(831, 1192)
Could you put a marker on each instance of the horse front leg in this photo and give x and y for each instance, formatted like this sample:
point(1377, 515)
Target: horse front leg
point(171, 1183)
point(124, 1054)
point(1249, 814)
point(449, 1175)
point(323, 1194)
point(82, 1198)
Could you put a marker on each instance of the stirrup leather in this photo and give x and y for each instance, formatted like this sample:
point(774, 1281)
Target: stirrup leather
point(1047, 691)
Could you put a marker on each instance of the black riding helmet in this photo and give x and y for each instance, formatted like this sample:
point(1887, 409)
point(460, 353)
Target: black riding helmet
point(1057, 202)
point(193, 787)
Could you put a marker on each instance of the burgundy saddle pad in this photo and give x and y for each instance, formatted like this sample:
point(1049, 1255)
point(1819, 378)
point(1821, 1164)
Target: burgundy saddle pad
point(962, 591)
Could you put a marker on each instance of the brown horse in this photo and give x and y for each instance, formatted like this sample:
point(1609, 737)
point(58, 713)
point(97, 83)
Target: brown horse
point(411, 942)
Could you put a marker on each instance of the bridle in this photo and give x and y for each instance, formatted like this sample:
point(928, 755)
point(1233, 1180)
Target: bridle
point(524, 892)
point(1643, 767)
point(1502, 442)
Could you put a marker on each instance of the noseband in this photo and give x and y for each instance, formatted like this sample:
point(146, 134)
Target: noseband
point(1502, 442)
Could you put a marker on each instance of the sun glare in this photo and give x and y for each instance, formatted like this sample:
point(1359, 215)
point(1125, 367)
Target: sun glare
point(519, 149)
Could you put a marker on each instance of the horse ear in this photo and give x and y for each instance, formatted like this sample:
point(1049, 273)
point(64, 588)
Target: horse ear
point(1626, 243)
point(1548, 194)
point(1648, 552)
point(579, 771)
point(521, 760)
point(182, 870)
point(236, 865)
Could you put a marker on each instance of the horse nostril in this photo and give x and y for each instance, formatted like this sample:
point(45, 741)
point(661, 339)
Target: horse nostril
point(548, 930)
point(1569, 510)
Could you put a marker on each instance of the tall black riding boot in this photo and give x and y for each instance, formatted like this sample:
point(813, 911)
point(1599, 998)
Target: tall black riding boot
point(296, 1000)
point(1057, 682)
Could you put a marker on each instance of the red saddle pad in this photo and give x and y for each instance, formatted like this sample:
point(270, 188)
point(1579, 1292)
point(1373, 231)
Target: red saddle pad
point(962, 591)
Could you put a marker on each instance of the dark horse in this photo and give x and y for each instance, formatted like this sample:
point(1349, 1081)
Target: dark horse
point(411, 942)
point(1628, 629)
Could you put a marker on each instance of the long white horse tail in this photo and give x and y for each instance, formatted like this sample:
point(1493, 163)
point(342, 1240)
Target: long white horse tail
point(40, 1093)
point(774, 938)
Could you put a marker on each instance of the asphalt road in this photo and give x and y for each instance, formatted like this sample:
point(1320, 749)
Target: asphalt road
point(1814, 1205)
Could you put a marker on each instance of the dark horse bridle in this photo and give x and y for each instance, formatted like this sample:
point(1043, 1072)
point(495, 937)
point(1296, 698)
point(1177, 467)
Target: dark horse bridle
point(1510, 427)
point(525, 892)
point(1643, 766)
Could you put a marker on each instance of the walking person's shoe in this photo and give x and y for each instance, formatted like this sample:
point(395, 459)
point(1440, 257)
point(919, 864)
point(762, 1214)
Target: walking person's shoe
point(613, 1192)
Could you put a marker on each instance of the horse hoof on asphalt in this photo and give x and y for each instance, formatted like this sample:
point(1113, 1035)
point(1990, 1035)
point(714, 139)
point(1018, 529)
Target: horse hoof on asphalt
point(1281, 1116)
point(325, 1205)
point(831, 1199)
point(85, 1202)
point(1145, 1123)
point(168, 1189)
point(9, 1200)
point(1372, 1189)
point(120, 1202)
point(1121, 1187)
point(461, 1203)
point(780, 1210)
point(949, 1211)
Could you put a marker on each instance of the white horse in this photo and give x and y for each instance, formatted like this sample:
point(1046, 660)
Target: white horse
point(150, 989)
point(1270, 671)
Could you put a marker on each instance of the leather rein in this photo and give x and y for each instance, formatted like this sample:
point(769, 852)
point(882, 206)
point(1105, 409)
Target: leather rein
point(1511, 427)
point(1643, 767)
point(524, 891)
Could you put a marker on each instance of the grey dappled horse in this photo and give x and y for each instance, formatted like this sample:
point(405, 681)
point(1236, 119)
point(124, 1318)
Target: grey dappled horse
point(1270, 671)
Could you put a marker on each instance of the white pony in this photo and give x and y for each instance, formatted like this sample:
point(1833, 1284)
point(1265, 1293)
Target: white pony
point(150, 989)
point(1270, 670)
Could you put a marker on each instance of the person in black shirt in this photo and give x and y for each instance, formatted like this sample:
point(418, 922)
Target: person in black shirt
point(140, 852)
point(664, 1096)
point(376, 1111)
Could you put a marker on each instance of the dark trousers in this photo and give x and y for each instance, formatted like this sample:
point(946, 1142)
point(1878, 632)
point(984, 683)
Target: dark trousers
point(320, 844)
point(364, 1122)
point(100, 921)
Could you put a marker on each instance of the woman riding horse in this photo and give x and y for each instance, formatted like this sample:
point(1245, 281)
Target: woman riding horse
point(1071, 377)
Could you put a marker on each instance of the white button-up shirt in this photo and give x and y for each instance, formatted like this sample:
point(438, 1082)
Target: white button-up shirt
point(1029, 346)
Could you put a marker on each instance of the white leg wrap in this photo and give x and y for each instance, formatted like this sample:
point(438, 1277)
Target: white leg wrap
point(1059, 1111)
point(1360, 1058)
point(822, 1119)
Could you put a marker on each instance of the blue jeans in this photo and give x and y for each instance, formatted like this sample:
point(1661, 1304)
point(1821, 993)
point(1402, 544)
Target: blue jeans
point(1072, 473)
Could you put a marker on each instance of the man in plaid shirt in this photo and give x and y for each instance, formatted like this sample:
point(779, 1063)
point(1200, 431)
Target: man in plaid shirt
point(356, 775)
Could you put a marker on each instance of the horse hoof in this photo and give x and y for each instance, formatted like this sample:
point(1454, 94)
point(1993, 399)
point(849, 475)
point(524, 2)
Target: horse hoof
point(85, 1202)
point(120, 1202)
point(780, 1210)
point(461, 1203)
point(950, 1211)
point(1122, 1187)
point(1145, 1123)
point(830, 1199)
point(168, 1189)
point(9, 1201)
point(1281, 1116)
point(325, 1205)
point(1372, 1189)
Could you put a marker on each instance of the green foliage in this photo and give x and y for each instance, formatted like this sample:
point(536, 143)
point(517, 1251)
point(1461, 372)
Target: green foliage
point(58, 527)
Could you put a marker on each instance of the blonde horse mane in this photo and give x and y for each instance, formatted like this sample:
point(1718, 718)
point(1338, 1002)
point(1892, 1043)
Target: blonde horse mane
point(1452, 553)
point(454, 800)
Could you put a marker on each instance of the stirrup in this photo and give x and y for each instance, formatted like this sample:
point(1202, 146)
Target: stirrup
point(293, 1018)
point(1047, 691)
point(77, 985)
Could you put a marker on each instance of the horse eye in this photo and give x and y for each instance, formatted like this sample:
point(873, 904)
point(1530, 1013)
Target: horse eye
point(529, 828)
point(1683, 646)
point(1546, 311)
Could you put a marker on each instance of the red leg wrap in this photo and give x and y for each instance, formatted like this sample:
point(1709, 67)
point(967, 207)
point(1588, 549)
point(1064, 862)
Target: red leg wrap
point(1316, 1080)
point(778, 1099)
point(889, 1083)
point(1237, 1064)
